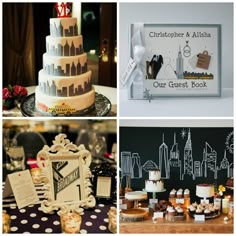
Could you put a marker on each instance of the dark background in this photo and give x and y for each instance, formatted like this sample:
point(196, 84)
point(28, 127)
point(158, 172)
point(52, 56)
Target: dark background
point(146, 142)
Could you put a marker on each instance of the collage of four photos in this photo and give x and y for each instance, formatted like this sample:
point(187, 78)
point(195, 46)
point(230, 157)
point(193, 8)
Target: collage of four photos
point(117, 117)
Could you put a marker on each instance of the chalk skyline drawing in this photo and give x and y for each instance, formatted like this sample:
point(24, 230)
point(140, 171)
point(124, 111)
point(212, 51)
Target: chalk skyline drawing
point(172, 165)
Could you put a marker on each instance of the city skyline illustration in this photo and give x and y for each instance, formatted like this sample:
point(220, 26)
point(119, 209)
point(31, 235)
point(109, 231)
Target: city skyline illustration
point(64, 50)
point(65, 91)
point(60, 31)
point(173, 165)
point(70, 69)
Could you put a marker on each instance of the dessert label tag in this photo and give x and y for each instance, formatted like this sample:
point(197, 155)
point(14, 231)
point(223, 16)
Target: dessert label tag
point(205, 201)
point(200, 218)
point(152, 200)
point(128, 70)
point(158, 215)
point(179, 200)
point(21, 185)
point(123, 206)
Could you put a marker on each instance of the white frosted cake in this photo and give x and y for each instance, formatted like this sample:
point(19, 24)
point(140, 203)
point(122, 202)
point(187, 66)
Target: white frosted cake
point(205, 190)
point(136, 195)
point(65, 81)
point(154, 183)
point(154, 174)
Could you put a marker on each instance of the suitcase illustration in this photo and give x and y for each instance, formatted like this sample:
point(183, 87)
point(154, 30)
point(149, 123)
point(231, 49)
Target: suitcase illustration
point(203, 60)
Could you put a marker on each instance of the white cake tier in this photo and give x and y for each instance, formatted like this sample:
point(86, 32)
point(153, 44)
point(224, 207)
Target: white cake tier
point(154, 185)
point(65, 66)
point(62, 86)
point(64, 46)
point(136, 195)
point(63, 105)
point(63, 27)
point(154, 174)
point(205, 190)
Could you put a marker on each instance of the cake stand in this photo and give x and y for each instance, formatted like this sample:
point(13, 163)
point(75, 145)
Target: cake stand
point(154, 193)
point(136, 199)
point(101, 107)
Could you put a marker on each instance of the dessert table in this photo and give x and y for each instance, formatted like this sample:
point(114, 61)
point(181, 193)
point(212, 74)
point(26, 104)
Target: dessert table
point(108, 92)
point(187, 226)
point(32, 220)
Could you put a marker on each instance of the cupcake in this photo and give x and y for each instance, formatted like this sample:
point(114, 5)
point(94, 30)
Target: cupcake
point(171, 211)
point(212, 209)
point(186, 193)
point(198, 211)
point(207, 212)
point(217, 209)
point(172, 193)
point(195, 204)
point(180, 193)
point(192, 209)
point(204, 204)
point(180, 211)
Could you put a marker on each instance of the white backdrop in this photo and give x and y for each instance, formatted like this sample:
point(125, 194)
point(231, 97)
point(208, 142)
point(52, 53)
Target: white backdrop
point(195, 13)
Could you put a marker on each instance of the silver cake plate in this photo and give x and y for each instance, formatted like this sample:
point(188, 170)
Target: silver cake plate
point(101, 107)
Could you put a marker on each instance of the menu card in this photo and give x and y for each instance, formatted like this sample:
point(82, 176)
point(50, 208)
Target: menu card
point(20, 184)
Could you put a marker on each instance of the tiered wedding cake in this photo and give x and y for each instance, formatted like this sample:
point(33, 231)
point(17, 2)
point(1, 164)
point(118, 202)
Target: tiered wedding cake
point(65, 81)
point(154, 183)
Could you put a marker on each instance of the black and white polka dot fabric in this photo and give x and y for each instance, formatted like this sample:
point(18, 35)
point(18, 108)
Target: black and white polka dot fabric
point(32, 220)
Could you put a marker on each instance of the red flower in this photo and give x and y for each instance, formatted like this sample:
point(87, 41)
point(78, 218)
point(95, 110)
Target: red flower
point(6, 93)
point(19, 91)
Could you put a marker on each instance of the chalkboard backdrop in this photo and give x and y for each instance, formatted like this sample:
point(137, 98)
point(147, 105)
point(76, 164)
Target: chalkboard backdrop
point(185, 156)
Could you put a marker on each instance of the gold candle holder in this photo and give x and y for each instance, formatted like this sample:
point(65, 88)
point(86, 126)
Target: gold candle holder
point(70, 222)
point(36, 175)
point(112, 223)
point(6, 221)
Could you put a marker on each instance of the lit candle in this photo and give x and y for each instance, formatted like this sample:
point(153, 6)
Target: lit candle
point(225, 205)
point(5, 223)
point(36, 175)
point(70, 223)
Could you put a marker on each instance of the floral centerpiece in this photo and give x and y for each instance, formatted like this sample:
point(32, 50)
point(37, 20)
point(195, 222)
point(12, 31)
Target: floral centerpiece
point(12, 96)
point(220, 191)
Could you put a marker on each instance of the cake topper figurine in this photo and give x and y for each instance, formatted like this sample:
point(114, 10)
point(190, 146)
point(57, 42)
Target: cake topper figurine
point(64, 9)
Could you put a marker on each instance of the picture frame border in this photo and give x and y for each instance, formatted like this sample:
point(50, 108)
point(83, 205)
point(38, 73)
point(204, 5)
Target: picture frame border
point(219, 69)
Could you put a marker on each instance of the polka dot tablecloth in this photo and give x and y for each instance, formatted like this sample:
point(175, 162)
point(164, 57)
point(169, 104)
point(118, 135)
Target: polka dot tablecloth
point(32, 220)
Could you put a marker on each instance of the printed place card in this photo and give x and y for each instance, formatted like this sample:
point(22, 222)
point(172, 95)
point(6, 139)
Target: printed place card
point(152, 200)
point(22, 187)
point(199, 218)
point(179, 200)
point(158, 215)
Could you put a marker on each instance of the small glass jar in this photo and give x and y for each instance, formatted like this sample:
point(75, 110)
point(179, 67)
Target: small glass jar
point(36, 175)
point(225, 205)
point(70, 222)
point(112, 221)
point(6, 221)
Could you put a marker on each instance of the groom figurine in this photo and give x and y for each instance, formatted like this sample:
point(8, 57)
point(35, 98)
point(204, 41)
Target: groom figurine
point(156, 64)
